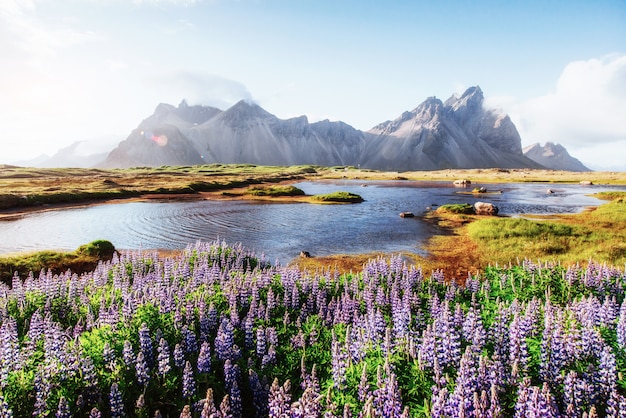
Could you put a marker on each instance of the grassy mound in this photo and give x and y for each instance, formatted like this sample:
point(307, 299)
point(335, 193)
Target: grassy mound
point(340, 197)
point(84, 258)
point(460, 208)
point(275, 191)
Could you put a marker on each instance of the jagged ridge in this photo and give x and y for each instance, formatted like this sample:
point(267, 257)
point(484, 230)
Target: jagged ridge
point(459, 133)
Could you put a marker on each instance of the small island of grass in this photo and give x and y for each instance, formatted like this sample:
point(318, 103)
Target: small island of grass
point(275, 191)
point(458, 208)
point(338, 197)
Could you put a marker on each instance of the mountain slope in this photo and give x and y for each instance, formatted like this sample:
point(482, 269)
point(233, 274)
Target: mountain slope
point(459, 133)
point(244, 133)
point(553, 156)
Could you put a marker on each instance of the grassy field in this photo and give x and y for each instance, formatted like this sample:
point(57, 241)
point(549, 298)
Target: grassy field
point(22, 187)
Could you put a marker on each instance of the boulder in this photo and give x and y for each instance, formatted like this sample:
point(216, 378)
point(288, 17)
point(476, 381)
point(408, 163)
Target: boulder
point(305, 254)
point(484, 208)
point(407, 215)
point(462, 182)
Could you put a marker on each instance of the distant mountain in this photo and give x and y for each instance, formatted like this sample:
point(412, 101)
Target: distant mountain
point(460, 133)
point(244, 133)
point(553, 156)
point(80, 154)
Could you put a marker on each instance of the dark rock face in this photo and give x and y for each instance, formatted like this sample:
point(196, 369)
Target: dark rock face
point(554, 156)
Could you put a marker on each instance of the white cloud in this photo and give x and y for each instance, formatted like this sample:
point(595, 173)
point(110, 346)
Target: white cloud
point(585, 112)
point(587, 106)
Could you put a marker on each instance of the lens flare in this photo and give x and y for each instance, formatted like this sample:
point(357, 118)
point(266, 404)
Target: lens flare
point(161, 140)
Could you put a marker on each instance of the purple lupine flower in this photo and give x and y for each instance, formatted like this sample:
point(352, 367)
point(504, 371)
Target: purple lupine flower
point(224, 340)
point(108, 355)
point(473, 330)
point(573, 394)
point(248, 327)
point(63, 410)
point(535, 402)
point(270, 357)
point(128, 355)
point(204, 358)
point(339, 362)
point(363, 390)
point(553, 348)
point(616, 405)
point(212, 317)
point(279, 400)
point(189, 383)
point(142, 370)
point(518, 350)
point(95, 413)
point(448, 350)
point(621, 326)
point(231, 381)
point(42, 388)
point(115, 402)
point(191, 343)
point(179, 356)
point(272, 336)
point(307, 406)
point(467, 383)
point(163, 357)
point(260, 393)
point(387, 399)
point(260, 342)
point(145, 344)
point(607, 372)
point(438, 402)
point(5, 411)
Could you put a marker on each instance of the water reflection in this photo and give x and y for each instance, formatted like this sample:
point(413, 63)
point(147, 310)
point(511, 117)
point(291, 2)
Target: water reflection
point(281, 231)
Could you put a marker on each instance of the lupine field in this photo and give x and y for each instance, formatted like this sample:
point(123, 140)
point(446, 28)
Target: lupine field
point(216, 332)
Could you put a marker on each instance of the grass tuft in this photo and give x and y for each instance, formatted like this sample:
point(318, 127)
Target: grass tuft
point(460, 208)
point(275, 191)
point(340, 197)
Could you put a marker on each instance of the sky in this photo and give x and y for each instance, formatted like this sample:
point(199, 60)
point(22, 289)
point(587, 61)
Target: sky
point(73, 70)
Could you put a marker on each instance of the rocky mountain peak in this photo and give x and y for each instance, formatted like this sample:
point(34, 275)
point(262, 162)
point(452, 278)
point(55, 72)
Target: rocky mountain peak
point(553, 156)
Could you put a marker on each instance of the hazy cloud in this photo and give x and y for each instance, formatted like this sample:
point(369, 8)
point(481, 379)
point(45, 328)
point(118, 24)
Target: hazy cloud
point(586, 107)
point(205, 89)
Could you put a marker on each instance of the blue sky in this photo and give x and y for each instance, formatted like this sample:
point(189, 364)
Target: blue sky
point(93, 69)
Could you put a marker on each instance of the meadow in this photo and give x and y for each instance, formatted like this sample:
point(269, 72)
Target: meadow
point(538, 329)
point(216, 332)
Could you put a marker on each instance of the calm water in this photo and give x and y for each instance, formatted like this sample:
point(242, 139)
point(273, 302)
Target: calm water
point(281, 231)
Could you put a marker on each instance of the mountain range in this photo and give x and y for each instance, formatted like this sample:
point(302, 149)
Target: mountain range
point(458, 133)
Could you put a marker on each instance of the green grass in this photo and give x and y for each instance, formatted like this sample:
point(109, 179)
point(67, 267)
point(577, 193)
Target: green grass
point(611, 195)
point(598, 234)
point(459, 208)
point(275, 191)
point(341, 197)
point(84, 258)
